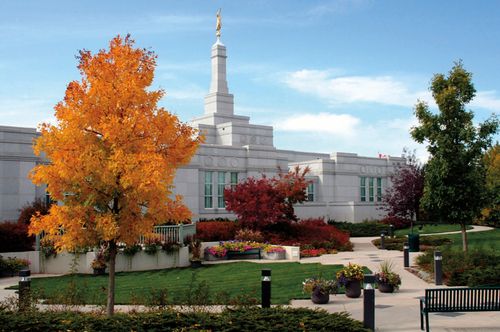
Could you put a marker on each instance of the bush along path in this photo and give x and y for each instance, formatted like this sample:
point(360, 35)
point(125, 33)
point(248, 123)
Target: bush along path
point(241, 319)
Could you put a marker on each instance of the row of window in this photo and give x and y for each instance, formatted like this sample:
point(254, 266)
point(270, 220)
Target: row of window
point(223, 179)
point(373, 184)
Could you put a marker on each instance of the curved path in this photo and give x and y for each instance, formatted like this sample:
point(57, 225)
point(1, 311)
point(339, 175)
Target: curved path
point(398, 311)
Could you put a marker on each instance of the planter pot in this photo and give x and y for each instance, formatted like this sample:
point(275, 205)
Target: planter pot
point(385, 287)
point(196, 264)
point(210, 257)
point(353, 289)
point(249, 254)
point(320, 298)
point(274, 255)
point(100, 271)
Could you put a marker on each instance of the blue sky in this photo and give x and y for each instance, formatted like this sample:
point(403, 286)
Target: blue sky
point(329, 75)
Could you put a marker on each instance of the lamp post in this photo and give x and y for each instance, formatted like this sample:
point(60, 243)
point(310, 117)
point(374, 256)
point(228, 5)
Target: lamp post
point(266, 288)
point(369, 302)
point(438, 268)
point(406, 254)
point(382, 240)
point(24, 290)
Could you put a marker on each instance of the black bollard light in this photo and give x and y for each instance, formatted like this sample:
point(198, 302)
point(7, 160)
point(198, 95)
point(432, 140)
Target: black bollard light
point(438, 268)
point(266, 288)
point(406, 254)
point(369, 302)
point(391, 230)
point(382, 240)
point(24, 290)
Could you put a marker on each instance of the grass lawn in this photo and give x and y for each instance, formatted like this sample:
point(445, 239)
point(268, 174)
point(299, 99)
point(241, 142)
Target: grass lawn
point(239, 279)
point(430, 229)
point(477, 240)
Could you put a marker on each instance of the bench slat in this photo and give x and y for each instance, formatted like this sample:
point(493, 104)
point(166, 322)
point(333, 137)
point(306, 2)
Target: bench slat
point(462, 299)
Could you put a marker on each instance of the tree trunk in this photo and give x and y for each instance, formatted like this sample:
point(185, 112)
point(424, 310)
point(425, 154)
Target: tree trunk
point(464, 237)
point(110, 305)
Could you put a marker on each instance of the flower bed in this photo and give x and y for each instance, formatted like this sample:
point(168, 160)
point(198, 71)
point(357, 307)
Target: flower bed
point(244, 250)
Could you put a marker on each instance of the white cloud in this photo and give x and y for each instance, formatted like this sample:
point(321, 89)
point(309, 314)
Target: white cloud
point(488, 100)
point(334, 124)
point(188, 92)
point(338, 7)
point(194, 66)
point(25, 111)
point(352, 89)
point(328, 133)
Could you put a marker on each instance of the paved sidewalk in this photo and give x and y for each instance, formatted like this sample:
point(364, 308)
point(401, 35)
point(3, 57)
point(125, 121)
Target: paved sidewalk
point(398, 311)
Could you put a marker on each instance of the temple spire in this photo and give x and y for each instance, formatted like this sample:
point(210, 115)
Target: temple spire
point(219, 100)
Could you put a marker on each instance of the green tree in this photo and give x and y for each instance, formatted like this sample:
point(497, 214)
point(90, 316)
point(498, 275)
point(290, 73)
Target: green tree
point(455, 176)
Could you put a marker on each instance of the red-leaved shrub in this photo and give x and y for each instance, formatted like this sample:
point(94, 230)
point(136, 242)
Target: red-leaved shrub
point(307, 233)
point(313, 252)
point(398, 222)
point(311, 232)
point(216, 230)
point(28, 210)
point(14, 237)
point(316, 230)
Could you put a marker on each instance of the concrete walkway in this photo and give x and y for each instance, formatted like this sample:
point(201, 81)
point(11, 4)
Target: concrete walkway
point(398, 311)
point(393, 312)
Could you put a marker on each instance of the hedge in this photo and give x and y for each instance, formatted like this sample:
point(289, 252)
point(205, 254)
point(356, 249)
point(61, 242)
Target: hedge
point(242, 319)
point(366, 228)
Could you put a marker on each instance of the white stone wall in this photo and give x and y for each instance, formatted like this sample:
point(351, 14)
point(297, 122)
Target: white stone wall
point(65, 262)
point(16, 161)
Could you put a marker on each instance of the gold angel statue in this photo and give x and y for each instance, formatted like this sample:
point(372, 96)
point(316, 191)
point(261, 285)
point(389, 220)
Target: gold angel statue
point(218, 24)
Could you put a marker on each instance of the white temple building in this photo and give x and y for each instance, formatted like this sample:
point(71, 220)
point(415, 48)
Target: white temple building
point(344, 186)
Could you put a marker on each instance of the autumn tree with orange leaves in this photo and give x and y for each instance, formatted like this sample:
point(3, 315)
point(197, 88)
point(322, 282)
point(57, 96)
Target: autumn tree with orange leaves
point(112, 156)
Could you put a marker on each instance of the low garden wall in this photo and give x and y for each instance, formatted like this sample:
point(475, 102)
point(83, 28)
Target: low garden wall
point(65, 262)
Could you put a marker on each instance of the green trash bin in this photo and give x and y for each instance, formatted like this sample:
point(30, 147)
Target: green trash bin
point(414, 242)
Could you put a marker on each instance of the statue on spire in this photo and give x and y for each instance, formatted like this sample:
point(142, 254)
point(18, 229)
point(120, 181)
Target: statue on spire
point(218, 24)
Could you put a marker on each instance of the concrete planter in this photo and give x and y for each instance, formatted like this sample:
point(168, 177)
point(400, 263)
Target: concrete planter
point(248, 254)
point(274, 255)
point(209, 257)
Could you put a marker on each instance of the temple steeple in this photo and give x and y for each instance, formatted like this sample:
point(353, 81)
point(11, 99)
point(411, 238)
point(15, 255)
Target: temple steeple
point(219, 100)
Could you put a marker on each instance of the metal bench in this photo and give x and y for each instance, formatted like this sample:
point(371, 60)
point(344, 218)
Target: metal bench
point(458, 300)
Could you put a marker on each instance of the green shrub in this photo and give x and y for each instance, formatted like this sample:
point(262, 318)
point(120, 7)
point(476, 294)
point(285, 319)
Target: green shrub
point(365, 228)
point(474, 268)
point(10, 266)
point(397, 242)
point(242, 319)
